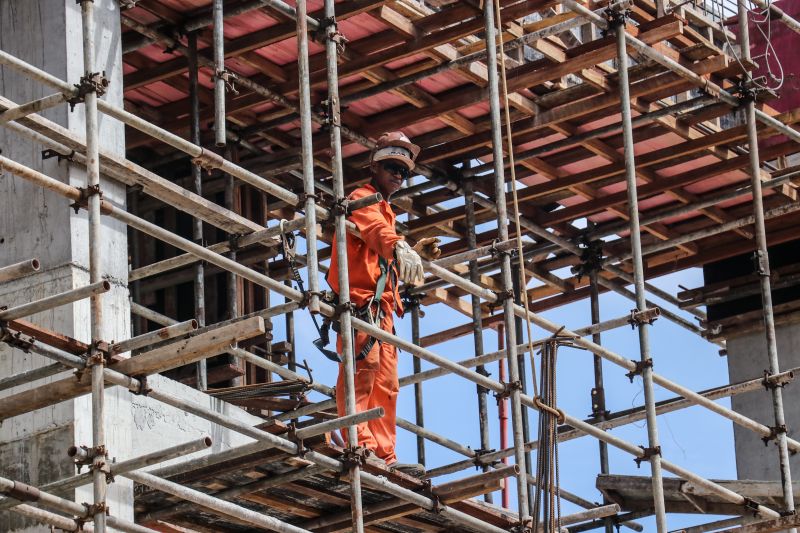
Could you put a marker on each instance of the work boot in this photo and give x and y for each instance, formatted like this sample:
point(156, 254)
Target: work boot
point(410, 469)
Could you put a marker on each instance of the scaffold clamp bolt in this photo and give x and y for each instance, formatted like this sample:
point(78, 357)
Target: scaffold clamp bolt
point(774, 381)
point(640, 366)
point(645, 316)
point(774, 431)
point(647, 453)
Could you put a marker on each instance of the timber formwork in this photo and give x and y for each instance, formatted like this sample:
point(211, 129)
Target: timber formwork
point(244, 113)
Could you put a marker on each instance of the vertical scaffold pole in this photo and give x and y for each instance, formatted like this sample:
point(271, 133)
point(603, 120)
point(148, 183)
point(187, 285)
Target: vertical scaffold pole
point(307, 155)
point(92, 82)
point(505, 261)
point(332, 42)
point(762, 266)
point(413, 303)
point(598, 392)
point(477, 323)
point(654, 450)
point(220, 74)
point(197, 223)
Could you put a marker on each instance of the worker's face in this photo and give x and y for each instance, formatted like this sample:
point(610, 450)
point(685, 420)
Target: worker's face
point(388, 176)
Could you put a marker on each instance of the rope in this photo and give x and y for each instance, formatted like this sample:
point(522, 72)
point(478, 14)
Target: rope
point(523, 281)
point(546, 511)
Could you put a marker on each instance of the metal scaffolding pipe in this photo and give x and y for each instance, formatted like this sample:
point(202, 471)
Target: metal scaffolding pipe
point(11, 488)
point(290, 447)
point(36, 106)
point(477, 326)
point(423, 353)
point(505, 262)
point(761, 261)
point(93, 82)
point(598, 393)
point(46, 517)
point(307, 155)
point(49, 302)
point(419, 406)
point(265, 281)
point(332, 42)
point(17, 270)
point(339, 423)
point(31, 375)
point(221, 506)
point(638, 275)
point(710, 231)
point(163, 334)
point(220, 73)
point(119, 468)
point(199, 282)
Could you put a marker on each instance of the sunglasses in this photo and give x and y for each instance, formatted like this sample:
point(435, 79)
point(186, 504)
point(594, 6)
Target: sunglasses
point(397, 169)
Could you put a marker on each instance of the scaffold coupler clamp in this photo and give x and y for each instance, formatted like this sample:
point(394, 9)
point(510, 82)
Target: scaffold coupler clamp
point(143, 389)
point(329, 29)
point(228, 78)
point(647, 453)
point(412, 301)
point(616, 16)
point(599, 411)
point(354, 456)
point(639, 368)
point(85, 193)
point(15, 339)
point(50, 153)
point(95, 508)
point(775, 381)
point(751, 505)
point(302, 449)
point(500, 298)
point(508, 388)
point(341, 206)
point(478, 458)
point(591, 258)
point(91, 82)
point(761, 263)
point(208, 160)
point(645, 316)
point(774, 431)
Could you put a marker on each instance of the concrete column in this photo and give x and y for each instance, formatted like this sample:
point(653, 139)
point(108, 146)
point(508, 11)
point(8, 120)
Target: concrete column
point(47, 33)
point(747, 358)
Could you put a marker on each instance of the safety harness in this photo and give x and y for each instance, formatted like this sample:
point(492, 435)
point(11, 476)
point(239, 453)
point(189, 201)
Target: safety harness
point(364, 312)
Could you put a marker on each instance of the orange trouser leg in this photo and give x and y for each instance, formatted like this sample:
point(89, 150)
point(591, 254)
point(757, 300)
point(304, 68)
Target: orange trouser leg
point(376, 385)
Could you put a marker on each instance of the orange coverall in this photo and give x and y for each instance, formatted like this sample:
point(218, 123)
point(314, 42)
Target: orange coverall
point(376, 382)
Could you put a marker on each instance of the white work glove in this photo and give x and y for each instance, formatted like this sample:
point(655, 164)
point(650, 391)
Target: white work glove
point(409, 264)
point(428, 248)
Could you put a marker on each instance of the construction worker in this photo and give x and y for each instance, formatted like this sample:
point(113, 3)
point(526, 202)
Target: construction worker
point(377, 263)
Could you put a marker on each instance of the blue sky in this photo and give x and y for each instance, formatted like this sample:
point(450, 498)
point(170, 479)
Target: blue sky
point(693, 438)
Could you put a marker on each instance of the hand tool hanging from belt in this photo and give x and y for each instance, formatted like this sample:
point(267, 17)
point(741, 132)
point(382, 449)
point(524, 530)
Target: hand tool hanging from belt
point(288, 243)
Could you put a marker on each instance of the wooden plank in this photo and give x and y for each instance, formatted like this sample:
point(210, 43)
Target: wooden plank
point(169, 356)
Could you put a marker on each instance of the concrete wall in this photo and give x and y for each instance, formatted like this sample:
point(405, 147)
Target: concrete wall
point(747, 359)
point(35, 223)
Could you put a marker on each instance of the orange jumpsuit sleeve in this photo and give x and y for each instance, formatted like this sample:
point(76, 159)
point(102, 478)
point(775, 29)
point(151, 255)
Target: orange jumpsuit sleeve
point(378, 234)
